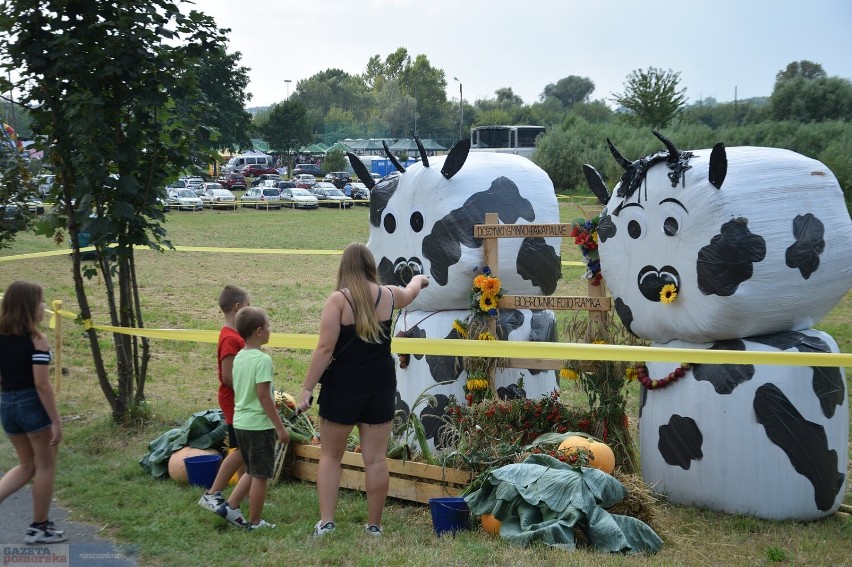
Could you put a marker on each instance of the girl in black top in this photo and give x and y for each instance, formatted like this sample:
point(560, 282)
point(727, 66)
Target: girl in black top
point(359, 386)
point(27, 406)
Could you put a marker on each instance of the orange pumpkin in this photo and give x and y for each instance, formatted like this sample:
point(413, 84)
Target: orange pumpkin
point(177, 468)
point(490, 524)
point(604, 458)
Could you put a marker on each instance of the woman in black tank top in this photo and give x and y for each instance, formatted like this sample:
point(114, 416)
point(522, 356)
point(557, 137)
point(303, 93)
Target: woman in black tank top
point(354, 360)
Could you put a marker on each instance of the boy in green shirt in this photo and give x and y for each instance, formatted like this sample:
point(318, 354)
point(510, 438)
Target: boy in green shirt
point(256, 421)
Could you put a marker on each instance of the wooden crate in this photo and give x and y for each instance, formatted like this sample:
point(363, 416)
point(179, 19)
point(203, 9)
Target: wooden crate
point(415, 482)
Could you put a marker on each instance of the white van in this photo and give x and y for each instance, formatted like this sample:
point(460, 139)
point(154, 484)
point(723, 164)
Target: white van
point(237, 163)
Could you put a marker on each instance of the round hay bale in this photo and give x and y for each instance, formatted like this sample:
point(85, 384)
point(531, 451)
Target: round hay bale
point(177, 468)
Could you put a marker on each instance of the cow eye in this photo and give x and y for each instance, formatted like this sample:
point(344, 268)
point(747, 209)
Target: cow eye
point(390, 223)
point(671, 226)
point(416, 221)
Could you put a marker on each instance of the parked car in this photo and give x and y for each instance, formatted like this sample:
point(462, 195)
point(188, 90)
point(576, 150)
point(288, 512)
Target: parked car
point(191, 182)
point(360, 193)
point(184, 200)
point(297, 198)
point(330, 196)
point(232, 181)
point(338, 178)
point(45, 183)
point(257, 169)
point(218, 198)
point(376, 176)
point(309, 168)
point(262, 198)
point(285, 185)
point(260, 179)
point(304, 180)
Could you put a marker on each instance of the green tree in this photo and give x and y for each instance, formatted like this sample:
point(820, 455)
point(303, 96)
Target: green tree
point(652, 97)
point(569, 90)
point(286, 128)
point(223, 82)
point(801, 69)
point(812, 100)
point(332, 87)
point(123, 118)
point(335, 160)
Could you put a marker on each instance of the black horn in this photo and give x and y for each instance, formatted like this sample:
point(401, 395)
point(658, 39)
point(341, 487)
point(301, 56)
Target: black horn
point(423, 157)
point(392, 158)
point(674, 153)
point(622, 161)
point(361, 170)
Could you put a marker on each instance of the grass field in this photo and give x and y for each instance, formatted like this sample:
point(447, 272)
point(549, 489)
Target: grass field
point(101, 482)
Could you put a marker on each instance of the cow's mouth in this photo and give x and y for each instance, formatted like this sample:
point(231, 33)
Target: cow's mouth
point(651, 281)
point(405, 270)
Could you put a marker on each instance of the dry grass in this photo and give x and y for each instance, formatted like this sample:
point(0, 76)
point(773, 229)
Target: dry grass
point(179, 290)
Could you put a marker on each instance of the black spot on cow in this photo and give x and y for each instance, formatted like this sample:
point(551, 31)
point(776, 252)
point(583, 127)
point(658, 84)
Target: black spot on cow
point(728, 260)
point(445, 368)
point(724, 377)
point(542, 330)
point(432, 416)
point(643, 397)
point(804, 253)
point(680, 442)
point(511, 392)
point(539, 263)
point(828, 384)
point(625, 314)
point(508, 320)
point(804, 442)
point(606, 228)
point(442, 246)
point(379, 197)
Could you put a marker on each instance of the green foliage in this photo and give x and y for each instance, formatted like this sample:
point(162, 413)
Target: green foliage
point(801, 69)
point(812, 100)
point(122, 120)
point(286, 127)
point(776, 554)
point(335, 160)
point(569, 90)
point(652, 96)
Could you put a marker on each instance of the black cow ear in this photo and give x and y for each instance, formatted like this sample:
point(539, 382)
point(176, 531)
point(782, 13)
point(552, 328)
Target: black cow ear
point(456, 158)
point(596, 183)
point(361, 170)
point(718, 165)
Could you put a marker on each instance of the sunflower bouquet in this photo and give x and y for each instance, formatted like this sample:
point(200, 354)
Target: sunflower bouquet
point(485, 293)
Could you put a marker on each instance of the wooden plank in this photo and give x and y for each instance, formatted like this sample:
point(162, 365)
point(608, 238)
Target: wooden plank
point(534, 364)
point(555, 302)
point(494, 230)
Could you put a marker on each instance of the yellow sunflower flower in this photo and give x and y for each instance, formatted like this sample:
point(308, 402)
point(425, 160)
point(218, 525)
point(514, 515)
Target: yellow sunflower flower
point(668, 294)
point(479, 281)
point(487, 302)
point(460, 329)
point(568, 374)
point(631, 373)
point(491, 286)
point(486, 336)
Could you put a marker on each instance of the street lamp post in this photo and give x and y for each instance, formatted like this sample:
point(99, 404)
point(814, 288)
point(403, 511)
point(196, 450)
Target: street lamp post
point(461, 108)
point(287, 82)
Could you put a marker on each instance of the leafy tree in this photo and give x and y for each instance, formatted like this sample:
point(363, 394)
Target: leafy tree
point(335, 160)
point(506, 98)
point(801, 69)
point(596, 111)
point(115, 86)
point(224, 82)
point(652, 96)
point(428, 86)
point(812, 100)
point(396, 110)
point(332, 87)
point(378, 72)
point(569, 90)
point(286, 127)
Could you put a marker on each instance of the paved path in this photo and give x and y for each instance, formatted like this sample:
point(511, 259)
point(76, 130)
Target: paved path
point(84, 547)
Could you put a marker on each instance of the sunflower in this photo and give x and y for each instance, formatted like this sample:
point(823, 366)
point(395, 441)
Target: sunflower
point(486, 336)
point(460, 328)
point(491, 286)
point(631, 373)
point(479, 281)
point(568, 373)
point(668, 294)
point(487, 302)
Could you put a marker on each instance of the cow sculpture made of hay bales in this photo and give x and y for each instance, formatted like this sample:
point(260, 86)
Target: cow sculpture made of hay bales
point(741, 248)
point(421, 222)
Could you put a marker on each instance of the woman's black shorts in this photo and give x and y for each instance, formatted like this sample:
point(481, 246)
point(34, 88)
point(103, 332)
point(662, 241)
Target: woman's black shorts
point(349, 408)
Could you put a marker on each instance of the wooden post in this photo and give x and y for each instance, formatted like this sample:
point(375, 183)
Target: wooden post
point(489, 248)
point(57, 343)
point(597, 291)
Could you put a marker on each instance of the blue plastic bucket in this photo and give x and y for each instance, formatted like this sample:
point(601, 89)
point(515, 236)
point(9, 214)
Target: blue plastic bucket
point(201, 470)
point(449, 514)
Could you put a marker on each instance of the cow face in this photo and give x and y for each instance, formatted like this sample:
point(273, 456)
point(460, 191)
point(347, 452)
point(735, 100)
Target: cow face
point(716, 244)
point(422, 223)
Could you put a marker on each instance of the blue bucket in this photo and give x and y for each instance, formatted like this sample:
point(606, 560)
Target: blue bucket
point(449, 514)
point(201, 470)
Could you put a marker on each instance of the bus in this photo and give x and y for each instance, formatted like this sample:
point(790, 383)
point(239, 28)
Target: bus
point(518, 140)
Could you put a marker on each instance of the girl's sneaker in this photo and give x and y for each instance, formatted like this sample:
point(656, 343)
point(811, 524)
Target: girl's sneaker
point(321, 529)
point(42, 533)
point(374, 530)
point(211, 501)
point(260, 525)
point(232, 515)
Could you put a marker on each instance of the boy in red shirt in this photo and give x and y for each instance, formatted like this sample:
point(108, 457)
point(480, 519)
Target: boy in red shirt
point(231, 300)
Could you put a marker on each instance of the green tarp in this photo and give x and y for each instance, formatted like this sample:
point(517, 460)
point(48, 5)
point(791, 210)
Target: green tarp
point(202, 430)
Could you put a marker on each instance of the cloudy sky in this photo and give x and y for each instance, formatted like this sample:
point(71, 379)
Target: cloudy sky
point(716, 45)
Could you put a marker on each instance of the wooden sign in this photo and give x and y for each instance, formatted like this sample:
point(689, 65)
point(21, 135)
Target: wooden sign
point(521, 230)
point(556, 303)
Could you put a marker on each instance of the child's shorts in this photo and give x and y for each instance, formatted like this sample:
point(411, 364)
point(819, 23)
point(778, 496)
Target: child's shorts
point(258, 450)
point(21, 411)
point(232, 438)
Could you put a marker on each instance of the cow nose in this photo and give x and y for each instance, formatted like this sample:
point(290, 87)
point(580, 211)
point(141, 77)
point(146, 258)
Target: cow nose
point(652, 280)
point(405, 270)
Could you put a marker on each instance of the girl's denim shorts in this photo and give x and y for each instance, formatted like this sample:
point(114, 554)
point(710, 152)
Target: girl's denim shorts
point(21, 411)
